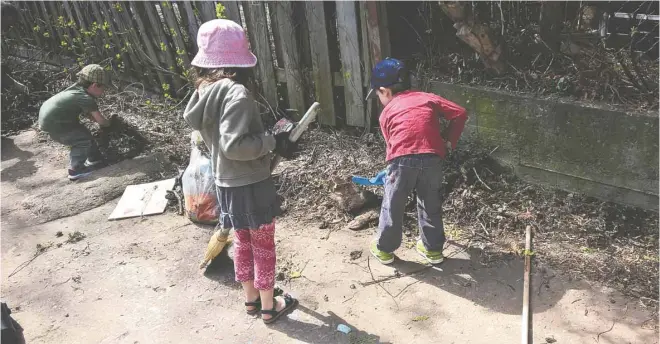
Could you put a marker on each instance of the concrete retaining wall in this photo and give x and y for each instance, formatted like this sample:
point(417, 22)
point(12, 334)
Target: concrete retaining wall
point(602, 152)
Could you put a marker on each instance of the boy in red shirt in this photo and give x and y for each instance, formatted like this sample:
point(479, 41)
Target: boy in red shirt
point(410, 123)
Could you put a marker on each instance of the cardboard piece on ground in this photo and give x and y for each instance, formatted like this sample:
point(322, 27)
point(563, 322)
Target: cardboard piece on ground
point(142, 200)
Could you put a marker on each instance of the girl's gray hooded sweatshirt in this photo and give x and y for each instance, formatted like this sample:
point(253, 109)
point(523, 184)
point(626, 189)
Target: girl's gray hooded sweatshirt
point(226, 115)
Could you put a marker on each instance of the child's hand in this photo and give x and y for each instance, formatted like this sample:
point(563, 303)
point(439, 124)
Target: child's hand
point(284, 147)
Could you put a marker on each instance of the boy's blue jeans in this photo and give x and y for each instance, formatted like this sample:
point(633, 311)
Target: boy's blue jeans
point(423, 173)
point(82, 143)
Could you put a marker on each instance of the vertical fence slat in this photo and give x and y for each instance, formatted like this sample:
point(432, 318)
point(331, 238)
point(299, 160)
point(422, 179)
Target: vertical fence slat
point(96, 9)
point(192, 22)
point(366, 61)
point(81, 21)
point(65, 34)
point(384, 29)
point(34, 14)
point(148, 45)
point(255, 16)
point(274, 30)
point(290, 55)
point(171, 21)
point(92, 19)
point(232, 12)
point(134, 48)
point(350, 57)
point(119, 31)
point(53, 33)
point(157, 26)
point(206, 10)
point(321, 72)
point(364, 43)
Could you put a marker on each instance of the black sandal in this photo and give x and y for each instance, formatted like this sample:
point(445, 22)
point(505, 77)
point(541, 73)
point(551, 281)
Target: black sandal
point(277, 291)
point(289, 304)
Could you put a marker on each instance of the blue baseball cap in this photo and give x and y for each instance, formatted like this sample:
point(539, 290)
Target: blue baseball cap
point(387, 72)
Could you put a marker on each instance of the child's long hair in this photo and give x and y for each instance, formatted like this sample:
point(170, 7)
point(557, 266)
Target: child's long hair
point(200, 76)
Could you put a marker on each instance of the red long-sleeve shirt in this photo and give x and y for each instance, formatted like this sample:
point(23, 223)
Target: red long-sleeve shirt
point(411, 124)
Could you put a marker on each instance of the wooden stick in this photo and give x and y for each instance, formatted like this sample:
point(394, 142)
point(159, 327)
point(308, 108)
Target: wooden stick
point(528, 268)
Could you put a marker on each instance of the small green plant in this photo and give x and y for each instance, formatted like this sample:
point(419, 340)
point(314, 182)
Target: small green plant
point(220, 11)
point(46, 34)
point(75, 237)
point(588, 250)
point(64, 44)
point(164, 4)
point(118, 7)
point(165, 87)
point(118, 57)
point(528, 253)
point(180, 51)
point(163, 47)
point(107, 46)
point(179, 62)
point(420, 318)
point(36, 28)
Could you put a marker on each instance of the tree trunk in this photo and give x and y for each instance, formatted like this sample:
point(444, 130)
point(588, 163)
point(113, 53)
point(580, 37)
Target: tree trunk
point(478, 36)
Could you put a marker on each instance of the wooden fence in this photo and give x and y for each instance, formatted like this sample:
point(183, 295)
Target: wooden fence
point(307, 51)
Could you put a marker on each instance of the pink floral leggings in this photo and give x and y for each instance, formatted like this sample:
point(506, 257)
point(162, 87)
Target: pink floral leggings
point(254, 256)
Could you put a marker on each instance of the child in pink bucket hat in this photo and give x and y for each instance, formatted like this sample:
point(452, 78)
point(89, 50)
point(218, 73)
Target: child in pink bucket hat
point(226, 114)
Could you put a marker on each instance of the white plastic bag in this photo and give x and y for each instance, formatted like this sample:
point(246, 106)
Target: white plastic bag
point(198, 185)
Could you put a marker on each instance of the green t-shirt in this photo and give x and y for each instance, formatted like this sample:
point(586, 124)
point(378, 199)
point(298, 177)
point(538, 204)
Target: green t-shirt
point(62, 111)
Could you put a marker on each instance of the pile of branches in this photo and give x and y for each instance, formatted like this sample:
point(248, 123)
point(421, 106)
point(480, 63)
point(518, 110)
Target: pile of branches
point(146, 123)
point(602, 241)
point(561, 57)
point(20, 107)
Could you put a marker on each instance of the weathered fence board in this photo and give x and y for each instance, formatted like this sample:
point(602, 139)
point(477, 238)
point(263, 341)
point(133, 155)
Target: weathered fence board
point(318, 43)
point(255, 13)
point(148, 45)
point(157, 25)
point(349, 48)
point(192, 22)
point(232, 11)
point(175, 32)
point(52, 29)
point(206, 10)
point(290, 56)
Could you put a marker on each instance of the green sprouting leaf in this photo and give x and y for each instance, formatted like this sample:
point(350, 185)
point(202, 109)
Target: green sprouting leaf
point(220, 11)
point(420, 318)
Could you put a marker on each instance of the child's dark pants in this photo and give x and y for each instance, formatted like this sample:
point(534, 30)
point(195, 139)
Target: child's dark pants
point(423, 173)
point(82, 143)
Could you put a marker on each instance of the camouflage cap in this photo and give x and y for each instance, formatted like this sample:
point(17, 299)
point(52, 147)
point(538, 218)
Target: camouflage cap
point(95, 74)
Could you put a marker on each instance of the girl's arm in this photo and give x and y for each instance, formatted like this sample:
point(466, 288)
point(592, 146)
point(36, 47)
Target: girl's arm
point(236, 140)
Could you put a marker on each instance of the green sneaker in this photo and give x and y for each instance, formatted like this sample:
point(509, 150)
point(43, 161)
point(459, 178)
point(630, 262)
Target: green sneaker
point(433, 257)
point(382, 256)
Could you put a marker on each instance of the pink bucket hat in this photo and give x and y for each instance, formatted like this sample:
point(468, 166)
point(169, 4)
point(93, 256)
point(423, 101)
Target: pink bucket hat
point(222, 43)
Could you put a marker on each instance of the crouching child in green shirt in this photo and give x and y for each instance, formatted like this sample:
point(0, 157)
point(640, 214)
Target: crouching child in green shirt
point(59, 116)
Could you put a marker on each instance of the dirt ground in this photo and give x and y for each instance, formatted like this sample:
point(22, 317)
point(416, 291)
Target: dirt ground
point(137, 281)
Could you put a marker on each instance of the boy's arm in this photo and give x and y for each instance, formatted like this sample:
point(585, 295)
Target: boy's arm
point(456, 115)
point(99, 118)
